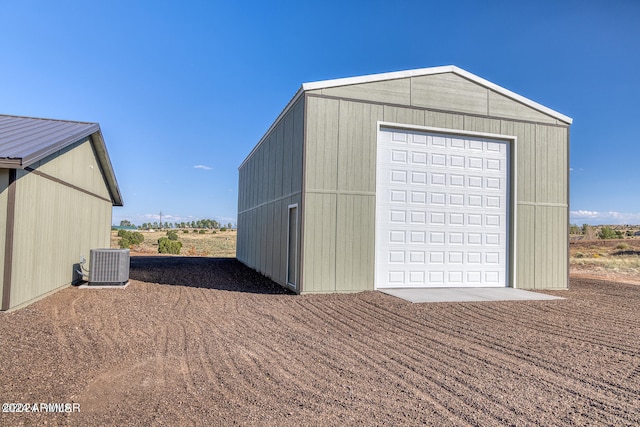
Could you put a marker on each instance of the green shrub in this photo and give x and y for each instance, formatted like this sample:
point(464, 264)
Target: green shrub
point(166, 246)
point(128, 238)
point(622, 246)
point(172, 235)
point(185, 231)
point(223, 229)
point(214, 232)
point(578, 255)
point(194, 231)
point(609, 233)
point(202, 231)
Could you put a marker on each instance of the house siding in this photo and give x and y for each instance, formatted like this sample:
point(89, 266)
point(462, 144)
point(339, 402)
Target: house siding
point(62, 210)
point(338, 192)
point(339, 257)
point(269, 181)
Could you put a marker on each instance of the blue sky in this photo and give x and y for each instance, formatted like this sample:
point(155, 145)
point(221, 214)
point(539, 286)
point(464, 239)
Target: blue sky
point(184, 90)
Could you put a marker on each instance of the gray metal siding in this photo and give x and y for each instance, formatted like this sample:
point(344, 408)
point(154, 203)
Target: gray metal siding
point(269, 181)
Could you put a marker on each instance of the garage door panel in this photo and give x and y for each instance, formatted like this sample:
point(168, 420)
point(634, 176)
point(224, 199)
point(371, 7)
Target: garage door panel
point(441, 210)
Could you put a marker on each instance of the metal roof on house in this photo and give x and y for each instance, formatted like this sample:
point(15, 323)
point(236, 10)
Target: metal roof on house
point(26, 140)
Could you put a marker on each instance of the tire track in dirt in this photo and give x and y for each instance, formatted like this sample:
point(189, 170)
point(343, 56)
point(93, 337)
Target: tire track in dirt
point(222, 374)
point(59, 329)
point(555, 343)
point(597, 337)
point(438, 392)
point(585, 394)
point(330, 382)
point(269, 351)
point(412, 357)
point(265, 351)
point(515, 353)
point(485, 315)
point(569, 391)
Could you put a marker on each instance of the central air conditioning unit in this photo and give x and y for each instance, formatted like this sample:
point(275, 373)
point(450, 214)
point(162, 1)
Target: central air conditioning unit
point(109, 267)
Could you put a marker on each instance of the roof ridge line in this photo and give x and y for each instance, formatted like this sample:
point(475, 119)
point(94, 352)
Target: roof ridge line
point(48, 119)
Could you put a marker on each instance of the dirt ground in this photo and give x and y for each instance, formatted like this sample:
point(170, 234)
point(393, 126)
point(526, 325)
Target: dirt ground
point(205, 341)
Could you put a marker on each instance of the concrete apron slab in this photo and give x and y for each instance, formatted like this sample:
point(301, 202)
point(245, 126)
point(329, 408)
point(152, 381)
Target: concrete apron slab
point(465, 294)
point(88, 286)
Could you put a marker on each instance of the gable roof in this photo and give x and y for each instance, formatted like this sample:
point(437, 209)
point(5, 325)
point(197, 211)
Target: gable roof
point(27, 140)
point(436, 70)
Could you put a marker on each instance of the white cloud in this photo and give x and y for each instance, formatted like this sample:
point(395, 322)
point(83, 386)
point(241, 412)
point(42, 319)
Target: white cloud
point(203, 167)
point(601, 218)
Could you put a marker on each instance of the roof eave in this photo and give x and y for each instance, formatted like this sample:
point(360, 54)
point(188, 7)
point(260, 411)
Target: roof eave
point(284, 111)
point(107, 168)
point(11, 163)
point(58, 145)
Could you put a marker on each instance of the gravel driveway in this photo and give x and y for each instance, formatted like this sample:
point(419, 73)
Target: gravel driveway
point(202, 341)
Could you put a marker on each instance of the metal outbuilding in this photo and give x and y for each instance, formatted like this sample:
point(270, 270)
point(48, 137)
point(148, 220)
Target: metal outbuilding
point(57, 190)
point(423, 178)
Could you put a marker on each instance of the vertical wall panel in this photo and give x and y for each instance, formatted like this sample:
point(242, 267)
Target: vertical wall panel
point(322, 142)
point(319, 243)
point(481, 124)
point(526, 247)
point(408, 116)
point(551, 247)
point(272, 164)
point(357, 146)
point(355, 260)
point(526, 167)
point(443, 120)
point(297, 150)
point(551, 173)
point(270, 233)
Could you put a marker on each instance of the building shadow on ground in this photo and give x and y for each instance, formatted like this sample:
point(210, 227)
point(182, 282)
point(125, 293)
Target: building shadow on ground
point(227, 274)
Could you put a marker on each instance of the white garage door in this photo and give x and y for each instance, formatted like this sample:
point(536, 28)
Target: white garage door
point(441, 210)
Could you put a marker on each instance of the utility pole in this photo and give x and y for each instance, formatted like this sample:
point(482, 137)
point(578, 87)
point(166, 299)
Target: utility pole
point(160, 220)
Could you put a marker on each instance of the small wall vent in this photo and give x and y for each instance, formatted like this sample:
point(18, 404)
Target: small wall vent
point(109, 267)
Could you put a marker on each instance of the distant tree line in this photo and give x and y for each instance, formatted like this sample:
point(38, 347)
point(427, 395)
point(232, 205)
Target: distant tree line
point(211, 224)
point(604, 232)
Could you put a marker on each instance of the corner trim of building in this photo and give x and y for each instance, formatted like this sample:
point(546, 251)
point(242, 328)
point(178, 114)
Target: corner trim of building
point(303, 196)
point(8, 243)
